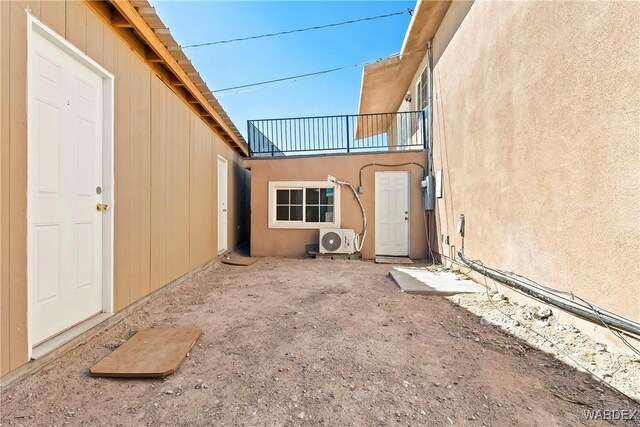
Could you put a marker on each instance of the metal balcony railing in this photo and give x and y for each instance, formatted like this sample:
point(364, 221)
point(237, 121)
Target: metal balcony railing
point(338, 134)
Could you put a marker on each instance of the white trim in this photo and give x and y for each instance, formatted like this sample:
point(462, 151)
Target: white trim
point(377, 176)
point(293, 185)
point(108, 183)
point(226, 240)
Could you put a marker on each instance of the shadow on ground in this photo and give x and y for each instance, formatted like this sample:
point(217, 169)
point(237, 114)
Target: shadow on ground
point(316, 342)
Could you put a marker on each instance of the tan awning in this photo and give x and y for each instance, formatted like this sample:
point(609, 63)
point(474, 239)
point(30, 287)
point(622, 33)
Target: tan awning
point(385, 82)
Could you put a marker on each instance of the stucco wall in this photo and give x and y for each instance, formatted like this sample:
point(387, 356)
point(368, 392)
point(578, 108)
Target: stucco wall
point(267, 241)
point(165, 169)
point(537, 130)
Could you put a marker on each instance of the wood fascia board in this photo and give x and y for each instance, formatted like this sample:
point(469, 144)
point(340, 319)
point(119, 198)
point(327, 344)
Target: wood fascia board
point(131, 14)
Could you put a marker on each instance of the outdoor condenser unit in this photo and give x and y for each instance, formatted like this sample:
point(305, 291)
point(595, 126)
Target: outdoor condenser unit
point(337, 241)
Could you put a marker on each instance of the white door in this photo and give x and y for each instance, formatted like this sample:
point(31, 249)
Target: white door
point(392, 213)
point(64, 248)
point(222, 204)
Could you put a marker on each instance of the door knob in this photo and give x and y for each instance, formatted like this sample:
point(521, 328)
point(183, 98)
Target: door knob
point(102, 207)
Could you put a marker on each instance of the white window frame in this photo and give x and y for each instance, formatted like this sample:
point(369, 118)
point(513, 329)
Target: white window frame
point(302, 185)
point(420, 88)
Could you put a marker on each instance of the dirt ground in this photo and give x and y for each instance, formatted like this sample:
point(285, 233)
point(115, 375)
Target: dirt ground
point(315, 342)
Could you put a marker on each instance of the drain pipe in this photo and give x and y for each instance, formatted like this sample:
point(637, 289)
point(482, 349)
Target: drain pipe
point(570, 303)
point(430, 105)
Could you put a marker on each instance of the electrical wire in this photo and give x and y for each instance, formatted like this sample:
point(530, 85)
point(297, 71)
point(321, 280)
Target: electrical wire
point(553, 344)
point(221, 95)
point(387, 166)
point(299, 30)
point(558, 293)
point(360, 237)
point(587, 312)
point(573, 296)
point(317, 73)
point(299, 76)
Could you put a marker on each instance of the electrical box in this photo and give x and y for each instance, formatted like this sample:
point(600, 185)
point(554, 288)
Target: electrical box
point(428, 194)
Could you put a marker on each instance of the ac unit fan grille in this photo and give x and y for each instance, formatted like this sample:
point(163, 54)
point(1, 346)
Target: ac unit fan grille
point(331, 241)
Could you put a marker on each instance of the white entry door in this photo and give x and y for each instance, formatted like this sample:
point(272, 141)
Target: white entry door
point(222, 204)
point(64, 248)
point(392, 213)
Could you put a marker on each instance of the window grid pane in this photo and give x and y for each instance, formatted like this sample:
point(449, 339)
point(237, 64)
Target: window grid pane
point(310, 205)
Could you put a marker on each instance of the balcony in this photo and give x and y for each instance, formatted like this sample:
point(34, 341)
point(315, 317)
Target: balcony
point(338, 134)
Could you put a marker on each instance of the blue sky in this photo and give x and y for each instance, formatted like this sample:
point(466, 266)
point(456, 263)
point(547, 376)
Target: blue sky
point(269, 58)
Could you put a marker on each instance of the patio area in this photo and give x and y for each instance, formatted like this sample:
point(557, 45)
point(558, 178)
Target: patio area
point(314, 342)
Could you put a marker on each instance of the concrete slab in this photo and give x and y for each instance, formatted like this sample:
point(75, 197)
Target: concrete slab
point(393, 260)
point(421, 281)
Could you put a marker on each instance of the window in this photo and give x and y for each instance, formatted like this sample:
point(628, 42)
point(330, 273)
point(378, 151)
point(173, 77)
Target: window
point(422, 90)
point(307, 204)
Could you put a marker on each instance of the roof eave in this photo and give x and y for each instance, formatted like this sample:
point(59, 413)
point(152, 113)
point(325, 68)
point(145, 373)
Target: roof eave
point(148, 26)
point(383, 88)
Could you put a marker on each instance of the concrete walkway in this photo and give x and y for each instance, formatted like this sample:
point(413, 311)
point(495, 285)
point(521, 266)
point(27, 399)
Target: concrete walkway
point(421, 281)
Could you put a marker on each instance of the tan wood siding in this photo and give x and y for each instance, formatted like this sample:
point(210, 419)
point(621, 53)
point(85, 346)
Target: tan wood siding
point(170, 188)
point(202, 191)
point(4, 186)
point(53, 13)
point(18, 181)
point(165, 169)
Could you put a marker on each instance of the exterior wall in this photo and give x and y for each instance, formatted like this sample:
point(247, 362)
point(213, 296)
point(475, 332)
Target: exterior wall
point(537, 131)
point(165, 169)
point(267, 241)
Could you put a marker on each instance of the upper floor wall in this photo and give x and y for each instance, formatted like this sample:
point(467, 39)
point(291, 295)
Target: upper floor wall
point(537, 133)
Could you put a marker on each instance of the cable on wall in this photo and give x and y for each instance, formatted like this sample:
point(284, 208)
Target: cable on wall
point(558, 349)
point(385, 166)
point(563, 300)
point(362, 236)
point(299, 30)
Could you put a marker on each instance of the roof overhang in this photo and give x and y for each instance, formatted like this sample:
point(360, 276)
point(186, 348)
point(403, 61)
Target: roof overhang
point(384, 83)
point(161, 49)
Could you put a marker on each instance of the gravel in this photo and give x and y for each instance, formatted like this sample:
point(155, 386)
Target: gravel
point(541, 328)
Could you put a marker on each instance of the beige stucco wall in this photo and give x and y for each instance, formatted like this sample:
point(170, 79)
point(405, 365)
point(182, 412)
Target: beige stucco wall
point(267, 241)
point(537, 130)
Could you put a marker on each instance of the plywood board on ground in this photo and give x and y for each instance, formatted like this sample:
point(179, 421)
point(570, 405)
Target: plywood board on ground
point(150, 353)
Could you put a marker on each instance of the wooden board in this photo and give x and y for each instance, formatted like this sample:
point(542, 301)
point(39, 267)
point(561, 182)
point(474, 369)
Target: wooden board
point(150, 353)
point(318, 255)
point(239, 260)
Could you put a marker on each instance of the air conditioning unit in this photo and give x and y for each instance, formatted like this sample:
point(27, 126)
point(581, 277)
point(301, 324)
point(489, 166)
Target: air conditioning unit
point(337, 241)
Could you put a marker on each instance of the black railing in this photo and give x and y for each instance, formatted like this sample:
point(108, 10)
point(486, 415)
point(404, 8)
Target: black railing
point(338, 134)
